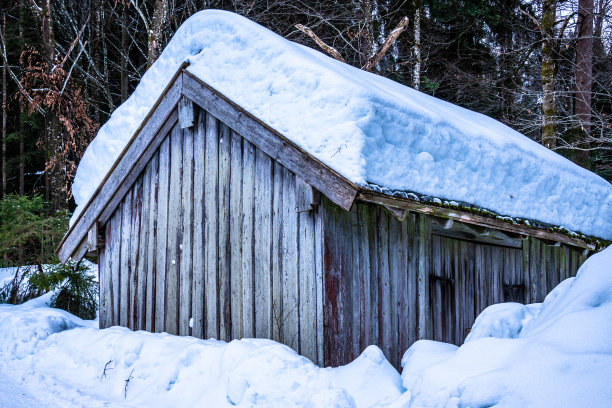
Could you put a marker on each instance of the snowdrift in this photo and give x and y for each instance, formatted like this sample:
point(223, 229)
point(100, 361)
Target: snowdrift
point(554, 354)
point(368, 128)
point(67, 362)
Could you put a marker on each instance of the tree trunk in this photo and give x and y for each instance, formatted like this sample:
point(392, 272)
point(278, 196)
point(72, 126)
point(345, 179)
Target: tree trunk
point(549, 109)
point(160, 14)
point(366, 35)
point(56, 167)
point(4, 168)
point(416, 71)
point(124, 55)
point(584, 64)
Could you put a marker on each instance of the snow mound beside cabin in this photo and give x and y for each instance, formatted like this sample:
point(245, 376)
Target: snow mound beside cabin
point(554, 354)
point(62, 359)
point(368, 128)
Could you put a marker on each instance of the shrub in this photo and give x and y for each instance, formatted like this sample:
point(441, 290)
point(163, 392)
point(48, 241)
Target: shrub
point(29, 231)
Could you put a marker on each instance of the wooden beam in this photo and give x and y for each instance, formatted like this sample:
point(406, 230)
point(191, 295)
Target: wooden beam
point(124, 166)
point(337, 188)
point(446, 227)
point(467, 218)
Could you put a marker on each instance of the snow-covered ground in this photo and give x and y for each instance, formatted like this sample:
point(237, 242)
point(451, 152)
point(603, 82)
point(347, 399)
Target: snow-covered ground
point(554, 354)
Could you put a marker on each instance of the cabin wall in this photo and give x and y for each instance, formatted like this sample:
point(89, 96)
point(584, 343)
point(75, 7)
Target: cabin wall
point(215, 239)
point(390, 282)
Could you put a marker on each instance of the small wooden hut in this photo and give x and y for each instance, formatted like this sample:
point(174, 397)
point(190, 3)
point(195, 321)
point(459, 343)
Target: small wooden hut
point(213, 224)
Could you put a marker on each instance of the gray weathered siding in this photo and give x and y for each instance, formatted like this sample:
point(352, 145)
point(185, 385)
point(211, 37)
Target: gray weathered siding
point(389, 282)
point(211, 231)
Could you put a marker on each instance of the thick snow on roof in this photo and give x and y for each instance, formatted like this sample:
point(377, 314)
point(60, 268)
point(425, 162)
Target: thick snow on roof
point(368, 128)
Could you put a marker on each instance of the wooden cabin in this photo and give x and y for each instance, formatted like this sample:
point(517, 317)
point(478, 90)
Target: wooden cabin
point(214, 225)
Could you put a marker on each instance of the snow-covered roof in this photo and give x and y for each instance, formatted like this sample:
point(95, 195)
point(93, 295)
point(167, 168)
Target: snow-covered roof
point(366, 127)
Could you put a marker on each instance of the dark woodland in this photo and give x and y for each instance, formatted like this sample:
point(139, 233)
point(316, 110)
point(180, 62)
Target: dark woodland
point(544, 67)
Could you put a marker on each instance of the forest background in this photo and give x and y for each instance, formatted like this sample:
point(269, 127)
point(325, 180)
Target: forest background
point(543, 67)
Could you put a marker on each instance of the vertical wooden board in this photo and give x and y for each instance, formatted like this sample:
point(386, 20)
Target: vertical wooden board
point(395, 284)
point(535, 259)
point(463, 288)
point(225, 314)
point(106, 279)
point(211, 275)
point(152, 203)
point(186, 246)
point(141, 307)
point(248, 206)
point(277, 251)
point(345, 249)
point(373, 246)
point(116, 263)
point(236, 235)
point(563, 263)
point(319, 284)
point(198, 243)
point(526, 269)
point(459, 299)
point(125, 268)
point(363, 214)
point(263, 244)
point(354, 240)
point(332, 313)
point(384, 281)
point(402, 294)
point(290, 263)
point(543, 271)
point(135, 227)
point(424, 268)
point(175, 231)
point(307, 285)
point(412, 278)
point(162, 235)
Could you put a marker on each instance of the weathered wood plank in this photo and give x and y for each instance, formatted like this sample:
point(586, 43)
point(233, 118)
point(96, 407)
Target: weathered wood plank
point(356, 292)
point(186, 246)
point(135, 261)
point(211, 177)
point(197, 305)
point(395, 284)
point(116, 264)
point(290, 263)
point(162, 235)
point(225, 313)
point(279, 148)
point(248, 206)
point(152, 203)
point(236, 235)
point(307, 286)
point(424, 262)
point(106, 278)
point(319, 284)
point(125, 269)
point(365, 307)
point(277, 251)
point(263, 244)
point(526, 269)
point(141, 299)
point(384, 281)
point(175, 215)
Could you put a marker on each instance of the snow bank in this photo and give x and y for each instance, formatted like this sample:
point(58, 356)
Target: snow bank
point(63, 358)
point(558, 354)
point(366, 127)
